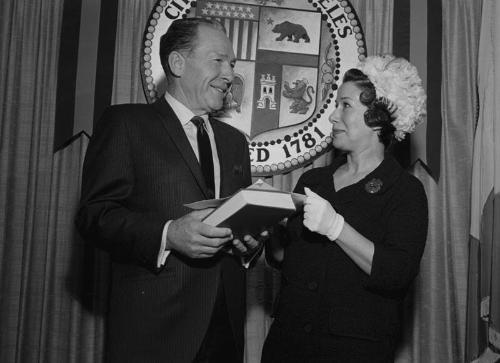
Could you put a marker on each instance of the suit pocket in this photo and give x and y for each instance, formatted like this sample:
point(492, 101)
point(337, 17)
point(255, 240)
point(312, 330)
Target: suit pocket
point(237, 170)
point(349, 323)
point(144, 293)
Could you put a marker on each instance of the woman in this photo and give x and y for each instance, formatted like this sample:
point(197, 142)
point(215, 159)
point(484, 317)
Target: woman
point(351, 255)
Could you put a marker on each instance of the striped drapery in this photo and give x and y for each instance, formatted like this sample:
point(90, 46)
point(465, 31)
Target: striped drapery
point(86, 67)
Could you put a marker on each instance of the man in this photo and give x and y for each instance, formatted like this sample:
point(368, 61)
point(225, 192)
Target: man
point(177, 290)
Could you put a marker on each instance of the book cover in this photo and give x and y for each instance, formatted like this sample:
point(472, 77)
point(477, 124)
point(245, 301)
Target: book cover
point(251, 210)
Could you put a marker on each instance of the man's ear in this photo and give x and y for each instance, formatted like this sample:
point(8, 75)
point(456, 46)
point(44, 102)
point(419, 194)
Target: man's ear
point(177, 63)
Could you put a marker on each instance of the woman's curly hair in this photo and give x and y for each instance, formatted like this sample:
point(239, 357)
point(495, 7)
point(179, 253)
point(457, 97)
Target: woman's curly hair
point(379, 114)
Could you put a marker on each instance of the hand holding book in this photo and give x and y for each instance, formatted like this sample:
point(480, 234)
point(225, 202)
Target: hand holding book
point(249, 212)
point(191, 237)
point(248, 248)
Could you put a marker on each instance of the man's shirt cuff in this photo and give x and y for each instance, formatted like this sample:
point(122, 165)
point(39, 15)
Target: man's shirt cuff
point(163, 253)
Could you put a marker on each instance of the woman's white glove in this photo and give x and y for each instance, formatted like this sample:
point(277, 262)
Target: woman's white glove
point(320, 217)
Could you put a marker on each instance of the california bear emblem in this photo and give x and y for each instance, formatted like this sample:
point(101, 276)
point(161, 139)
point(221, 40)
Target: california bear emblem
point(291, 31)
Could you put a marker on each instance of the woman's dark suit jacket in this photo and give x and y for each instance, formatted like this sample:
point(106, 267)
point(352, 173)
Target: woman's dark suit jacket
point(138, 173)
point(323, 291)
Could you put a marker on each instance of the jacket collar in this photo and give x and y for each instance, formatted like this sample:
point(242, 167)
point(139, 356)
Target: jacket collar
point(375, 183)
point(178, 137)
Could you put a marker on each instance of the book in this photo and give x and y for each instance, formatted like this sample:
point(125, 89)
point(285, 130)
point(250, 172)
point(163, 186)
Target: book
point(251, 210)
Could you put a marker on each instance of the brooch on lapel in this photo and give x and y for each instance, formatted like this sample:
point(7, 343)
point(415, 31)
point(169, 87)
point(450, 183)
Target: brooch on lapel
point(373, 186)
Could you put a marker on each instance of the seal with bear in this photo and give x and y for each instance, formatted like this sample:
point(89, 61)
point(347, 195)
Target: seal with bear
point(291, 31)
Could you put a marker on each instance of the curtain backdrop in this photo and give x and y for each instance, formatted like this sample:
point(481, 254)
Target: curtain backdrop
point(483, 300)
point(53, 288)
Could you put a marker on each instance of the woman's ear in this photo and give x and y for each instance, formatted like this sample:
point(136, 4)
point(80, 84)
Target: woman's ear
point(177, 63)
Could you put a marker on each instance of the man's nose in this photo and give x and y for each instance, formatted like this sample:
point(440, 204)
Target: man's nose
point(227, 72)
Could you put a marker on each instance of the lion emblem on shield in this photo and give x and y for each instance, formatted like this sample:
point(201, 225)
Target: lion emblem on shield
point(300, 104)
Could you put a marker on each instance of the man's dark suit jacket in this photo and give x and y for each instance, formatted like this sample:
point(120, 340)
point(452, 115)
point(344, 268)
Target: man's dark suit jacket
point(139, 170)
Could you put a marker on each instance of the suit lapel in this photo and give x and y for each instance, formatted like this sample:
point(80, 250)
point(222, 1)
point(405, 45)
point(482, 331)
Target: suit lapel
point(179, 139)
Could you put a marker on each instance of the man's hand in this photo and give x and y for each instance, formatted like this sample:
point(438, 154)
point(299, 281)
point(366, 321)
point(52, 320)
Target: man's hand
point(193, 238)
point(249, 246)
